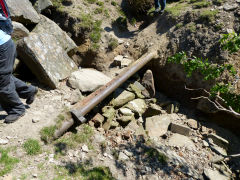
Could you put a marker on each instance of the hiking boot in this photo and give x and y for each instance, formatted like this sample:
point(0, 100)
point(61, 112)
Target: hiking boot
point(162, 11)
point(32, 96)
point(11, 118)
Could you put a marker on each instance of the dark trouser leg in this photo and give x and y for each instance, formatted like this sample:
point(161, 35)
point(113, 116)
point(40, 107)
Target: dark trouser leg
point(163, 4)
point(157, 4)
point(23, 90)
point(9, 98)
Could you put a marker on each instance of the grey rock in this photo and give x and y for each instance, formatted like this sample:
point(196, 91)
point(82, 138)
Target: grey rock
point(230, 7)
point(178, 140)
point(97, 120)
point(19, 31)
point(85, 148)
point(123, 98)
point(157, 126)
point(41, 5)
point(98, 138)
point(22, 11)
point(180, 129)
point(126, 112)
point(214, 174)
point(36, 120)
point(45, 58)
point(87, 80)
point(136, 89)
point(170, 109)
point(219, 140)
point(137, 105)
point(48, 26)
point(153, 110)
point(192, 123)
point(148, 83)
point(205, 143)
point(126, 119)
point(3, 141)
point(122, 157)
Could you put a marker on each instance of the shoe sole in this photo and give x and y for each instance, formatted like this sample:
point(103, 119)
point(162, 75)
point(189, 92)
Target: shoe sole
point(9, 122)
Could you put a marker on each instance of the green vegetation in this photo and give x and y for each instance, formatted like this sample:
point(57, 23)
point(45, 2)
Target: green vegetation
point(114, 3)
point(133, 21)
point(113, 43)
point(100, 3)
point(219, 2)
point(210, 71)
point(6, 162)
point(84, 173)
point(179, 25)
point(230, 42)
point(121, 23)
point(98, 10)
point(91, 1)
point(106, 13)
point(192, 27)
point(47, 133)
point(72, 140)
point(176, 9)
point(95, 35)
point(32, 147)
point(155, 154)
point(208, 15)
point(23, 177)
point(200, 4)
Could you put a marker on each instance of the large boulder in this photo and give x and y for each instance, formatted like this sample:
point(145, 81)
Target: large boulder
point(22, 11)
point(87, 80)
point(48, 26)
point(45, 58)
point(19, 31)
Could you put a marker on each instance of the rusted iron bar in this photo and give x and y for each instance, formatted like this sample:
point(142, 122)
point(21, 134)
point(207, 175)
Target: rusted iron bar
point(88, 103)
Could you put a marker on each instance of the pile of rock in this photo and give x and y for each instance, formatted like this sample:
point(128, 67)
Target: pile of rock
point(136, 109)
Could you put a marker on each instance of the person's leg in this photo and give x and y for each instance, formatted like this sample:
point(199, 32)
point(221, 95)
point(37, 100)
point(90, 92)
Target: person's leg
point(9, 98)
point(163, 4)
point(157, 4)
point(23, 90)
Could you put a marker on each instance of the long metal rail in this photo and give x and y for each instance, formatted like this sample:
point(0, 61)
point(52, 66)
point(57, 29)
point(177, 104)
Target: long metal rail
point(88, 103)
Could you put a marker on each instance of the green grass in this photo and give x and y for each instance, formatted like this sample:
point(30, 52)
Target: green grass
point(99, 10)
point(176, 9)
point(72, 140)
point(100, 3)
point(91, 1)
point(113, 43)
point(179, 25)
point(32, 147)
point(114, 3)
point(7, 163)
point(192, 27)
point(208, 15)
point(47, 133)
point(155, 154)
point(201, 4)
point(83, 172)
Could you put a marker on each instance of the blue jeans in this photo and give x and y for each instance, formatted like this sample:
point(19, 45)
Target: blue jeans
point(11, 88)
point(160, 2)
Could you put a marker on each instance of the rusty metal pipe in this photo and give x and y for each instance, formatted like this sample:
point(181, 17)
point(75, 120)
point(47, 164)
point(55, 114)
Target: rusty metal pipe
point(88, 103)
